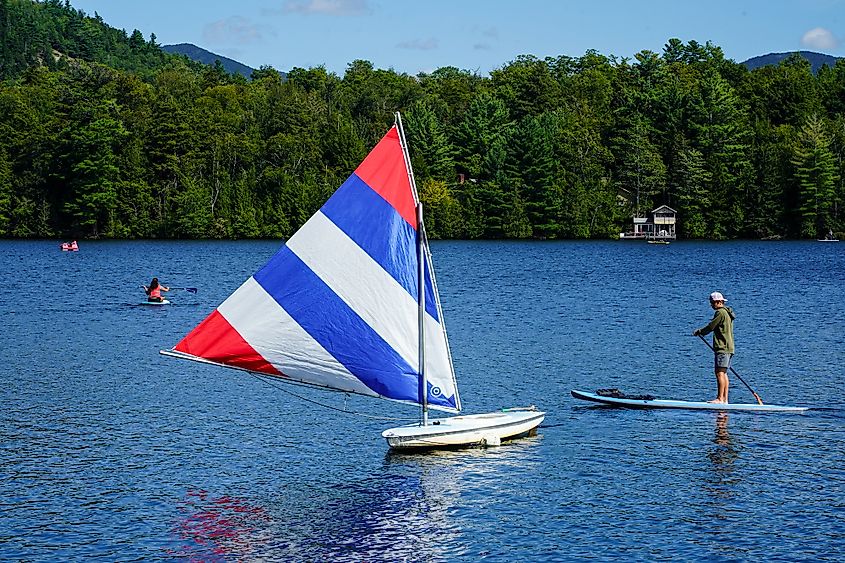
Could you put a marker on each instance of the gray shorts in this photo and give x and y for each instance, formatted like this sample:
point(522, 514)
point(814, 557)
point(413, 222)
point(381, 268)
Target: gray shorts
point(723, 360)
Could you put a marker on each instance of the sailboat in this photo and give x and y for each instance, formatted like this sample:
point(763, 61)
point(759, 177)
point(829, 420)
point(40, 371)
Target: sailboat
point(350, 304)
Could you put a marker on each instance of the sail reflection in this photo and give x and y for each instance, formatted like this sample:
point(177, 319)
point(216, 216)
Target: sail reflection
point(408, 510)
point(214, 528)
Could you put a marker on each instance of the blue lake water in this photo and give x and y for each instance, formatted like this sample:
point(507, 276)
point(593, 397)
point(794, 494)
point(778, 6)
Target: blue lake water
point(110, 451)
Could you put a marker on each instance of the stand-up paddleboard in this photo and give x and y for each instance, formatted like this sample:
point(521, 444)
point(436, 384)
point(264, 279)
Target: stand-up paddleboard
point(650, 403)
point(164, 302)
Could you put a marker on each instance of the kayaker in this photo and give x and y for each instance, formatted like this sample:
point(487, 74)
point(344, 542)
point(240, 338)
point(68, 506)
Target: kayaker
point(154, 290)
point(722, 327)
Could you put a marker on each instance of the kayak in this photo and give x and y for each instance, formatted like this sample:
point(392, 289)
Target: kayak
point(165, 302)
point(652, 403)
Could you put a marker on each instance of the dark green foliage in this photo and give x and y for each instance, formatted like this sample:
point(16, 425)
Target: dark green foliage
point(104, 135)
point(817, 178)
point(52, 33)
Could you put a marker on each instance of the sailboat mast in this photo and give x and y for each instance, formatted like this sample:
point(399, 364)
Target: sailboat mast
point(421, 321)
point(420, 273)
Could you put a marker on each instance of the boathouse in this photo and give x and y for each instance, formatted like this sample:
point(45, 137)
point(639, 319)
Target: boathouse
point(659, 224)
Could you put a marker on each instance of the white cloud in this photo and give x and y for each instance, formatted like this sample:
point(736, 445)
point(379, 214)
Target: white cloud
point(419, 44)
point(820, 38)
point(235, 29)
point(328, 7)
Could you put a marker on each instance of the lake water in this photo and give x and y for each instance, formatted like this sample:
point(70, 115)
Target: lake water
point(110, 451)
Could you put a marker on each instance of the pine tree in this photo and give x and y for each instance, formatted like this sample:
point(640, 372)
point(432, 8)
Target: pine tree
point(693, 195)
point(431, 151)
point(815, 172)
point(719, 133)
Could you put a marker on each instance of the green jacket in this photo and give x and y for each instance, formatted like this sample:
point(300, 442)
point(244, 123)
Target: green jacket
point(722, 327)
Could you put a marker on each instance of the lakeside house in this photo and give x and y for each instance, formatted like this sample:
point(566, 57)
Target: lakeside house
point(658, 224)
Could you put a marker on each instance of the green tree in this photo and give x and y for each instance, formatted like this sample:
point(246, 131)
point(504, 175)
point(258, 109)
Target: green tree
point(526, 86)
point(481, 138)
point(531, 167)
point(515, 223)
point(431, 151)
point(449, 91)
point(442, 210)
point(91, 143)
point(816, 175)
point(640, 171)
point(693, 195)
point(720, 134)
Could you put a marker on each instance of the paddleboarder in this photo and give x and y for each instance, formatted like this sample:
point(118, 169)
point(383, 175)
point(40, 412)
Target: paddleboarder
point(154, 290)
point(721, 325)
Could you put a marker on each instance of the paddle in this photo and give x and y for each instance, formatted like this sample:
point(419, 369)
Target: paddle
point(188, 289)
point(733, 371)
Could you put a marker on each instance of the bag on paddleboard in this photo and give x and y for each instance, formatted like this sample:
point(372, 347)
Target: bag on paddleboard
point(617, 394)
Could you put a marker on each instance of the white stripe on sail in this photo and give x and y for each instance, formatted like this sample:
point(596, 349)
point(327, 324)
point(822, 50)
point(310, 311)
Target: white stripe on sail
point(282, 342)
point(438, 368)
point(374, 295)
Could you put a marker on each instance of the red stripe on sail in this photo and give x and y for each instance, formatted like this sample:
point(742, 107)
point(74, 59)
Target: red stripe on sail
point(385, 172)
point(216, 340)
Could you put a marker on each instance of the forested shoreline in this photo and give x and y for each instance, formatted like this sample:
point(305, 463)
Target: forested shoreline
point(102, 135)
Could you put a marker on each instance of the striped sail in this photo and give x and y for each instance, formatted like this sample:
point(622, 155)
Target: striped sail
point(337, 306)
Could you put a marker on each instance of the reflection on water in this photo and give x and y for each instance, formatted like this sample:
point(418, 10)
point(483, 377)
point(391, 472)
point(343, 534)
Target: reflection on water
point(725, 452)
point(213, 528)
point(722, 458)
point(412, 508)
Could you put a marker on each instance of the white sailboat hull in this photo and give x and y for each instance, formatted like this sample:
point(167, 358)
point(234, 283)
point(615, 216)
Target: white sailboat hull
point(462, 431)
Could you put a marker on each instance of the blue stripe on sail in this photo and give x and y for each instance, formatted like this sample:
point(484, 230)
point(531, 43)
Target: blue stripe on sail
point(381, 232)
point(435, 398)
point(337, 328)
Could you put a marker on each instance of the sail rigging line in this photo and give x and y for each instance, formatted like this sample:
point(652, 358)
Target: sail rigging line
point(272, 383)
point(267, 378)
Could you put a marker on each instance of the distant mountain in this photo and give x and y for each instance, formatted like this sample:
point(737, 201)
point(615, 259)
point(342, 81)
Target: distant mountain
point(207, 57)
point(817, 60)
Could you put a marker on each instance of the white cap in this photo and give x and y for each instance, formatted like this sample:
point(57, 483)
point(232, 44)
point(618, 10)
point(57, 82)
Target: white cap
point(716, 296)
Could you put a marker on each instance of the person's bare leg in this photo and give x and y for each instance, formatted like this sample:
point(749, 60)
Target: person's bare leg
point(722, 385)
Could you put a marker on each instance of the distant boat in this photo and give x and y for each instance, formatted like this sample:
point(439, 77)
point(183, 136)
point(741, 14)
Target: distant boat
point(829, 238)
point(70, 246)
point(350, 304)
point(658, 242)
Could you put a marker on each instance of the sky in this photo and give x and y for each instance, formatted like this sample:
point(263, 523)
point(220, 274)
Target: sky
point(413, 36)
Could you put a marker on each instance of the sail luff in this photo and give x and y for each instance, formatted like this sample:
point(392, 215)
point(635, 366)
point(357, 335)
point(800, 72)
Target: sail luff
point(423, 393)
point(439, 309)
point(426, 258)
